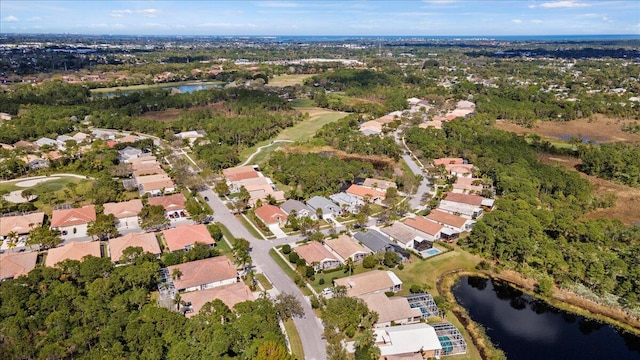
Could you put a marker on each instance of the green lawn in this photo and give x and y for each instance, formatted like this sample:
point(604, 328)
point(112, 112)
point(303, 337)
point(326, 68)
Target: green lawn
point(426, 272)
point(249, 227)
point(294, 339)
point(288, 80)
point(264, 282)
point(307, 128)
point(302, 103)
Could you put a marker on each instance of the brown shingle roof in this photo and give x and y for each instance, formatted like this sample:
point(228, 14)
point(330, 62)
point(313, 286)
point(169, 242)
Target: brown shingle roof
point(180, 237)
point(401, 232)
point(169, 203)
point(201, 272)
point(73, 251)
point(147, 241)
point(229, 294)
point(421, 224)
point(20, 224)
point(365, 283)
point(13, 265)
point(446, 218)
point(124, 209)
point(314, 252)
point(475, 200)
point(75, 216)
point(390, 309)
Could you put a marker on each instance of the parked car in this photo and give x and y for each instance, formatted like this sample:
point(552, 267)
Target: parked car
point(206, 198)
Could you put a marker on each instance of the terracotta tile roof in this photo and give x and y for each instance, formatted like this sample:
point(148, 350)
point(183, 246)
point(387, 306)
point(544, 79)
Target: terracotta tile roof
point(148, 170)
point(20, 224)
point(201, 272)
point(184, 235)
point(229, 294)
point(155, 182)
point(239, 173)
point(271, 214)
point(314, 252)
point(465, 198)
point(13, 265)
point(368, 282)
point(147, 241)
point(23, 143)
point(463, 183)
point(345, 246)
point(72, 251)
point(75, 216)
point(446, 218)
point(123, 209)
point(360, 191)
point(421, 224)
point(169, 203)
point(447, 161)
point(460, 168)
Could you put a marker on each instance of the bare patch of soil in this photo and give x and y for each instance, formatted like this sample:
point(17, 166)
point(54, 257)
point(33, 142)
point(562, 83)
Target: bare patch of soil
point(628, 198)
point(599, 128)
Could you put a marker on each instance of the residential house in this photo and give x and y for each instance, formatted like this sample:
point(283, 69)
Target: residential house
point(271, 215)
point(346, 248)
point(46, 141)
point(391, 310)
point(366, 194)
point(191, 136)
point(348, 203)
point(155, 184)
point(73, 222)
point(230, 295)
point(399, 342)
point(146, 241)
point(300, 208)
point(370, 282)
point(24, 144)
point(203, 274)
point(128, 153)
point(327, 208)
point(377, 184)
point(409, 237)
point(126, 213)
point(460, 170)
point(428, 230)
point(74, 250)
point(374, 241)
point(20, 224)
point(317, 256)
point(469, 199)
point(128, 139)
point(80, 137)
point(464, 210)
point(239, 173)
point(103, 135)
point(37, 164)
point(259, 189)
point(453, 222)
point(185, 236)
point(173, 205)
point(468, 185)
point(448, 161)
point(62, 141)
point(13, 265)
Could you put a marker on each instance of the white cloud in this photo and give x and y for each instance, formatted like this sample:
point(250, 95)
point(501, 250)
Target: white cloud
point(34, 19)
point(149, 12)
point(536, 21)
point(277, 4)
point(516, 21)
point(10, 18)
point(563, 4)
point(120, 13)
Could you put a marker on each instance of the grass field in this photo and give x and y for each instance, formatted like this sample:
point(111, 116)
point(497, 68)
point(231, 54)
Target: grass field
point(294, 339)
point(426, 272)
point(288, 80)
point(153, 86)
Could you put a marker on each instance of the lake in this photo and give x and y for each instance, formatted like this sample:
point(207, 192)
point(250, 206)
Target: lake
point(181, 88)
point(526, 328)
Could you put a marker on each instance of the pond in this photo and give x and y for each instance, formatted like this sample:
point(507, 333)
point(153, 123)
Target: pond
point(527, 328)
point(189, 88)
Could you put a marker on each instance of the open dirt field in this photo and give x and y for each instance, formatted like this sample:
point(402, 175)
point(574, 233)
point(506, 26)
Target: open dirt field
point(627, 205)
point(600, 129)
point(288, 80)
point(174, 114)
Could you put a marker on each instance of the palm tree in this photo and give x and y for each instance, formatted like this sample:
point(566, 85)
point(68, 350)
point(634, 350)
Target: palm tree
point(349, 265)
point(176, 274)
point(12, 239)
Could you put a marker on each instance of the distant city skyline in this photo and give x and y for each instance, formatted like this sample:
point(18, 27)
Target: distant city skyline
point(350, 18)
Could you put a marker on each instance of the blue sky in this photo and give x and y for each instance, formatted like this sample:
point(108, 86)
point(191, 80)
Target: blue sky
point(301, 17)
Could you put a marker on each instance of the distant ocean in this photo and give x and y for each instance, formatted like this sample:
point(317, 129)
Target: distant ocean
point(316, 38)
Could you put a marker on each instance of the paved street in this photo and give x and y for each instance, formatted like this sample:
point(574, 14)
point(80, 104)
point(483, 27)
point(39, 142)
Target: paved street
point(424, 186)
point(309, 327)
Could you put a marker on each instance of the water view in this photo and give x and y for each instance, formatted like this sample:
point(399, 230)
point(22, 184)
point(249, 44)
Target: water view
point(526, 328)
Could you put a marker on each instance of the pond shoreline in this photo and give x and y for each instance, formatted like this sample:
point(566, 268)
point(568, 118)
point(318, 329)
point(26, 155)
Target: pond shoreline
point(561, 299)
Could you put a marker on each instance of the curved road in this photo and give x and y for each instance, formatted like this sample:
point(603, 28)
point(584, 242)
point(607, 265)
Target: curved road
point(309, 327)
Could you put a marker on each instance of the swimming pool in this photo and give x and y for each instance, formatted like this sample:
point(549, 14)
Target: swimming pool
point(431, 252)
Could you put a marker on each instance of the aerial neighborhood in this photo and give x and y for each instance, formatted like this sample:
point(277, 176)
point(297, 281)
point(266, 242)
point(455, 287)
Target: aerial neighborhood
point(313, 198)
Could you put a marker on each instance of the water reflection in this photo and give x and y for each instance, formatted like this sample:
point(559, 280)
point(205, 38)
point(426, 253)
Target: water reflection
point(526, 328)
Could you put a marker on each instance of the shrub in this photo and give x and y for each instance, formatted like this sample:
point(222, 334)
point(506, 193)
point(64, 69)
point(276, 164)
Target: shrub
point(321, 281)
point(369, 262)
point(293, 258)
point(415, 289)
point(483, 265)
point(401, 267)
point(315, 303)
point(309, 271)
point(286, 249)
point(389, 293)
